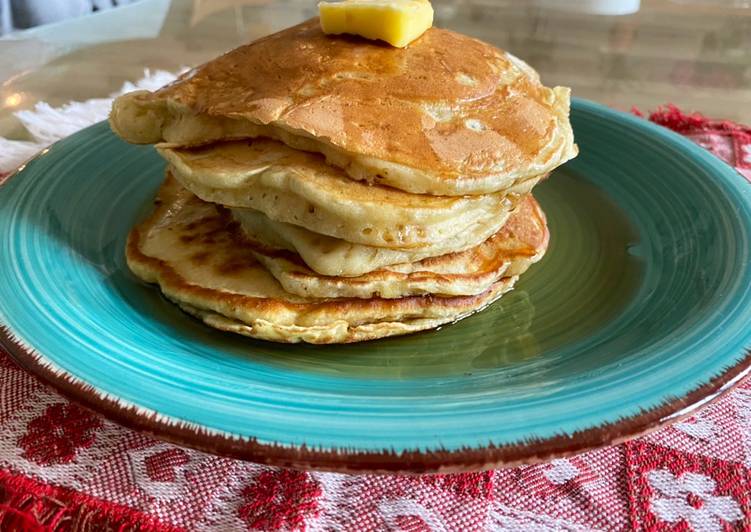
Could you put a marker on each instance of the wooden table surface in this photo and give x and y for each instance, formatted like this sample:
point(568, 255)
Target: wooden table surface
point(696, 54)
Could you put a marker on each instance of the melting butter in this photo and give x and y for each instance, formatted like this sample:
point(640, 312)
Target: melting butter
point(398, 22)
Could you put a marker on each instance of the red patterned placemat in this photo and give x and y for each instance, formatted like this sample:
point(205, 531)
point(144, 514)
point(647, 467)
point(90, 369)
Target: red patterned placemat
point(64, 468)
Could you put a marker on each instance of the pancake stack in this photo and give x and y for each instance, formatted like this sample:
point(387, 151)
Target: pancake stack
point(330, 189)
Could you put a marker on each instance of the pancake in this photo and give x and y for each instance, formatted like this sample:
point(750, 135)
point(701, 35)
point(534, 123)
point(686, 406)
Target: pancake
point(200, 260)
point(333, 256)
point(291, 186)
point(521, 242)
point(447, 115)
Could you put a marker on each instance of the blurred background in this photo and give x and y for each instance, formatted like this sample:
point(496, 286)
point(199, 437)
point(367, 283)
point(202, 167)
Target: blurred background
point(21, 14)
point(624, 53)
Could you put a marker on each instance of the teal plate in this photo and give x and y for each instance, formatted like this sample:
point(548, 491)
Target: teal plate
point(637, 316)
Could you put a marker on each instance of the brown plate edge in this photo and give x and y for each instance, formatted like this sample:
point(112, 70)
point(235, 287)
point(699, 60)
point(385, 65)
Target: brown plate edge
point(384, 462)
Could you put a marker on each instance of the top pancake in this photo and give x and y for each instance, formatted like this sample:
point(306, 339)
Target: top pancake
point(448, 115)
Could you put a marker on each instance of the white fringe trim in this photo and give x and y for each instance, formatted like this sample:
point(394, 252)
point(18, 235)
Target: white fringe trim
point(47, 124)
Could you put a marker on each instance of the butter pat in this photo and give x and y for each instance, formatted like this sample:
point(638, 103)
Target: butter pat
point(398, 22)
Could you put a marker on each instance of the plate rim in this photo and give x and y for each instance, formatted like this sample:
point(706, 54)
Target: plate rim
point(530, 451)
point(191, 434)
